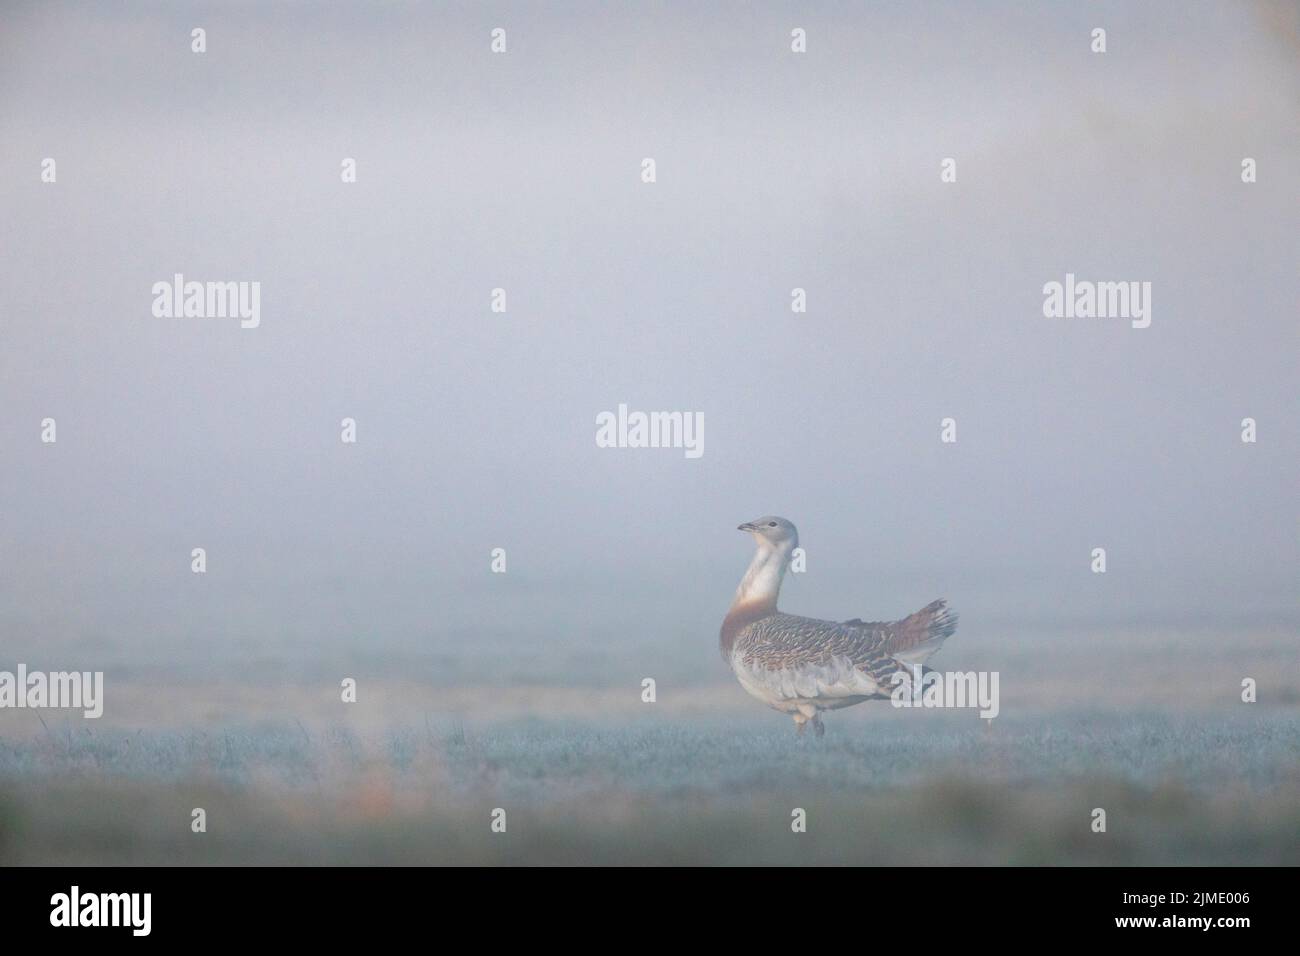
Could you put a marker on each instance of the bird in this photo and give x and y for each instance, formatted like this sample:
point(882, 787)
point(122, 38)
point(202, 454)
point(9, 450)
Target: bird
point(803, 666)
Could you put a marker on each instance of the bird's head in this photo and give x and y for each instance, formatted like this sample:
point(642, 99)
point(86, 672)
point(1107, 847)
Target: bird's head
point(773, 531)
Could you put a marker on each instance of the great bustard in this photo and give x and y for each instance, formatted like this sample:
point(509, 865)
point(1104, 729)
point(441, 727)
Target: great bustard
point(802, 666)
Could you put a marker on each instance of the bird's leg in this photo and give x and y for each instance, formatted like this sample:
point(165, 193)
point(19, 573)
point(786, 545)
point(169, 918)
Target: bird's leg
point(818, 726)
point(800, 723)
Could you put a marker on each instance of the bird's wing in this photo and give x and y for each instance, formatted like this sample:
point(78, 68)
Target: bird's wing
point(789, 656)
point(913, 639)
point(799, 657)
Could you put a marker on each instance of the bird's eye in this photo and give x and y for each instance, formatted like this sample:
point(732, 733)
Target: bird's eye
point(771, 524)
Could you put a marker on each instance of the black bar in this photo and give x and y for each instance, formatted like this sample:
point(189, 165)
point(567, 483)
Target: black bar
point(962, 904)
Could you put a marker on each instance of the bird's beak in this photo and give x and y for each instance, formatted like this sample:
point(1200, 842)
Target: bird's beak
point(747, 526)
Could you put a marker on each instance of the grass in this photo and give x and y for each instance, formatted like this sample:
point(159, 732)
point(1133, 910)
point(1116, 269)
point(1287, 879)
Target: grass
point(1221, 788)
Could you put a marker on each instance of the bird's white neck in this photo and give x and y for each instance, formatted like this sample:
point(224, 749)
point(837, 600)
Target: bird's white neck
point(762, 581)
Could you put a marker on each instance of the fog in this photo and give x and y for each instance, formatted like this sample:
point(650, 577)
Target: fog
point(522, 171)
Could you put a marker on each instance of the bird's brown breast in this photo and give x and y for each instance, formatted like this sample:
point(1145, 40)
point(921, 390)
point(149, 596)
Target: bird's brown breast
point(738, 618)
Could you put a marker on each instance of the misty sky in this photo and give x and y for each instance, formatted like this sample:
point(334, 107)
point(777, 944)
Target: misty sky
point(522, 171)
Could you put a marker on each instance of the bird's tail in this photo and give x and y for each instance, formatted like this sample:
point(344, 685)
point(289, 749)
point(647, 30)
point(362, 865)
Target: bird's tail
point(919, 635)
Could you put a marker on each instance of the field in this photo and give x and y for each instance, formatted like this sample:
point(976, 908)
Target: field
point(412, 774)
point(455, 256)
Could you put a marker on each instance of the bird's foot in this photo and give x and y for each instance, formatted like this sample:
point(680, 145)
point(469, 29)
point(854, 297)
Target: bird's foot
point(818, 727)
